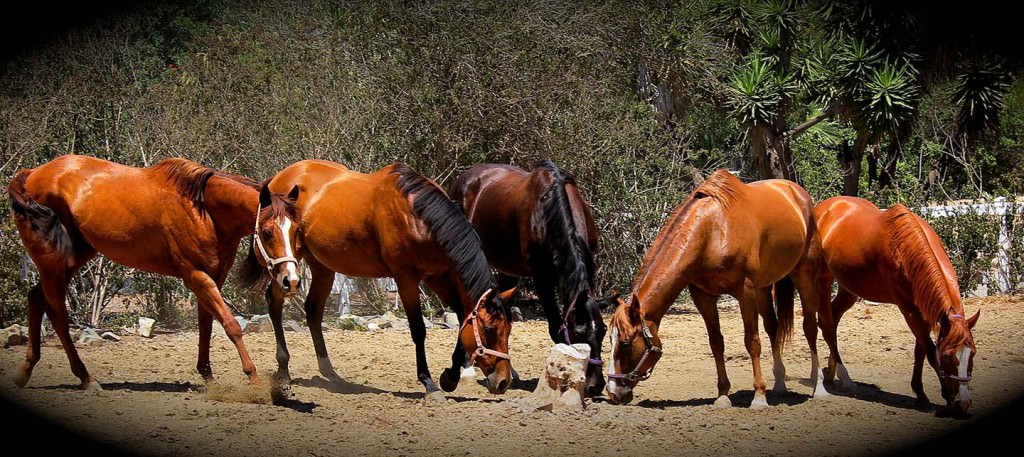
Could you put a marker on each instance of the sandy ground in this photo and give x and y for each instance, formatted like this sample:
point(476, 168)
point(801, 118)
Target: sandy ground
point(156, 404)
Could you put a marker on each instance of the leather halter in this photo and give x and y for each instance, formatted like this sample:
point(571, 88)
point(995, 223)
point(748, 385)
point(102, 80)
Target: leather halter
point(938, 358)
point(565, 332)
point(270, 261)
point(480, 349)
point(633, 376)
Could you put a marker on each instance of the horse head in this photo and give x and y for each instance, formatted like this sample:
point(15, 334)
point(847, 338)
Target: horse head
point(484, 335)
point(275, 238)
point(635, 349)
point(955, 351)
point(584, 324)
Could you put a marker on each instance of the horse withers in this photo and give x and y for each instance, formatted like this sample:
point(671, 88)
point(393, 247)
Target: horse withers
point(391, 223)
point(894, 256)
point(176, 218)
point(727, 237)
point(537, 224)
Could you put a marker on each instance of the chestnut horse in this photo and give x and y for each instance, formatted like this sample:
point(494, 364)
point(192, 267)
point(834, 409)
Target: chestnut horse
point(894, 256)
point(537, 224)
point(726, 238)
point(176, 218)
point(391, 223)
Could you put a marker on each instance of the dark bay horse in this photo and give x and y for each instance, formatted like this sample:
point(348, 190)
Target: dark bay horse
point(391, 223)
point(537, 224)
point(726, 238)
point(176, 218)
point(894, 256)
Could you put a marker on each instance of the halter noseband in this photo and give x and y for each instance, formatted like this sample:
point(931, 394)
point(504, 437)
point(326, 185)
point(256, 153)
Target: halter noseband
point(480, 349)
point(633, 377)
point(938, 358)
point(565, 333)
point(270, 261)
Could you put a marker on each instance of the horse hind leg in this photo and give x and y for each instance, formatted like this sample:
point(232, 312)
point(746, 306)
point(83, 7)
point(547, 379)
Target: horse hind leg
point(842, 302)
point(707, 305)
point(814, 299)
point(36, 308)
point(54, 280)
point(771, 324)
point(748, 309)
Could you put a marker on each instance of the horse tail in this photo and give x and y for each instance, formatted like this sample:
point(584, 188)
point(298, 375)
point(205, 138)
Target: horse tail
point(572, 256)
point(784, 295)
point(450, 227)
point(42, 221)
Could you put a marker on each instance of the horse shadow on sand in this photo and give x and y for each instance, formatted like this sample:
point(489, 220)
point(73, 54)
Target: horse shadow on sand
point(343, 387)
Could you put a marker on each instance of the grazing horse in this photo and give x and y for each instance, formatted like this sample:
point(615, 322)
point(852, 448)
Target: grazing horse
point(537, 224)
point(176, 218)
point(726, 238)
point(894, 256)
point(391, 223)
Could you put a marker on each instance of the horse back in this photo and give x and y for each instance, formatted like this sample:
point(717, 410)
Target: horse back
point(499, 202)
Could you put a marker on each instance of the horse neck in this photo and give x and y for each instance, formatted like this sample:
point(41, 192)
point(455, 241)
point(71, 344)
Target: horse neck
point(670, 264)
point(569, 248)
point(928, 271)
point(232, 205)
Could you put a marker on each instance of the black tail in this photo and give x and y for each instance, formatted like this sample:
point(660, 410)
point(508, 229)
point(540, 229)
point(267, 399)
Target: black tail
point(41, 220)
point(784, 295)
point(450, 227)
point(573, 259)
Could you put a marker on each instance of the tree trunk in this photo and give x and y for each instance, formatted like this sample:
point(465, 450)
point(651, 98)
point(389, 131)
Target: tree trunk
point(772, 156)
point(888, 175)
point(850, 159)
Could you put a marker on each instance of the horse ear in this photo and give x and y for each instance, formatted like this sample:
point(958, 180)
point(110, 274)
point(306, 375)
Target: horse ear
point(264, 196)
point(973, 320)
point(634, 308)
point(507, 295)
point(294, 194)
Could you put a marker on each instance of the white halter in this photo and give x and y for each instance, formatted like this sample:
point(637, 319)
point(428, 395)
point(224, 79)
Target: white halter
point(271, 262)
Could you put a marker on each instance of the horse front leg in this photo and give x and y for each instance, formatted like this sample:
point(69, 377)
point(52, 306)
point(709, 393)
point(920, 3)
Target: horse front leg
point(707, 305)
point(209, 297)
point(275, 307)
point(461, 367)
point(409, 292)
point(842, 302)
point(316, 300)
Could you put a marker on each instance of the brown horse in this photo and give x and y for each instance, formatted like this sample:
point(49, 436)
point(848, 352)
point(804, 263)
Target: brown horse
point(726, 238)
point(176, 218)
point(391, 223)
point(537, 224)
point(894, 256)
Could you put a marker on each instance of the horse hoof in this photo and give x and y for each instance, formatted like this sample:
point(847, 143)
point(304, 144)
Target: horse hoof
point(91, 385)
point(448, 382)
point(821, 394)
point(435, 398)
point(759, 403)
point(723, 402)
point(21, 379)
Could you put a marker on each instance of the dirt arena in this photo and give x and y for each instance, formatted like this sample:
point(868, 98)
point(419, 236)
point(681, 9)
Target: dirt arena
point(156, 404)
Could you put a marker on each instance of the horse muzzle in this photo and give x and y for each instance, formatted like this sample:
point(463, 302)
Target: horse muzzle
point(619, 395)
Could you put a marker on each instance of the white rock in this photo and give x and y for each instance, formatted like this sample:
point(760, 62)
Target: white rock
point(110, 336)
point(14, 335)
point(517, 314)
point(372, 326)
point(146, 327)
point(451, 320)
point(89, 337)
point(564, 380)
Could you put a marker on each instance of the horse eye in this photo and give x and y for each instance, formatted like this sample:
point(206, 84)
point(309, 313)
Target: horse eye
point(625, 343)
point(267, 233)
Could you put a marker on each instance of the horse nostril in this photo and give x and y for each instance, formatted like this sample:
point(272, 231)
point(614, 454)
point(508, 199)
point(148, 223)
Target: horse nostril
point(502, 386)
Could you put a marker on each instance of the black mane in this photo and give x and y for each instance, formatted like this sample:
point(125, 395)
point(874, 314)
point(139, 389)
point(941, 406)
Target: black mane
point(573, 259)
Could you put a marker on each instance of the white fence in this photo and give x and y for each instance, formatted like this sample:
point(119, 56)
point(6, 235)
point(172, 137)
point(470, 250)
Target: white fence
point(998, 207)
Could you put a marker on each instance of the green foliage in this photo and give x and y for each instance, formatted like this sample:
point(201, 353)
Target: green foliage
point(890, 92)
point(979, 94)
point(759, 90)
point(971, 242)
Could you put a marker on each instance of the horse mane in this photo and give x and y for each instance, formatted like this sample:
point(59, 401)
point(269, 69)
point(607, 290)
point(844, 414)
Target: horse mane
point(722, 186)
point(573, 259)
point(934, 281)
point(450, 228)
point(191, 178)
